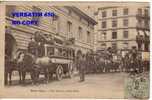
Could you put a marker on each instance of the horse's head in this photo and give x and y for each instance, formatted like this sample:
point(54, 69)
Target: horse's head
point(19, 57)
point(28, 58)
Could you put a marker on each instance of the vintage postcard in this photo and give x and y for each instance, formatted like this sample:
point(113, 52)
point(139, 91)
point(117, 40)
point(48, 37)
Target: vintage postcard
point(75, 50)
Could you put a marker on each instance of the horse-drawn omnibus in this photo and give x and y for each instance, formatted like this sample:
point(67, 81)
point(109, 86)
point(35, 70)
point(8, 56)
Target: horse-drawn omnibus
point(57, 60)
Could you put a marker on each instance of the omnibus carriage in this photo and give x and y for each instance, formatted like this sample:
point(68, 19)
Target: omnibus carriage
point(61, 60)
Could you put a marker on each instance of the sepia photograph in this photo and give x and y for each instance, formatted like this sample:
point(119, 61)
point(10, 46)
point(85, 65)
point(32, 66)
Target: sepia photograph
point(75, 50)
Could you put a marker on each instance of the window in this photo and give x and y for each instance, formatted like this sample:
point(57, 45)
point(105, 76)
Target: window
point(125, 11)
point(139, 11)
point(57, 24)
point(53, 19)
point(139, 23)
point(125, 34)
point(114, 12)
point(9, 10)
point(104, 14)
point(146, 12)
point(69, 27)
point(50, 51)
point(114, 35)
point(88, 37)
point(146, 24)
point(114, 46)
point(79, 32)
point(114, 23)
point(125, 22)
point(104, 24)
point(36, 18)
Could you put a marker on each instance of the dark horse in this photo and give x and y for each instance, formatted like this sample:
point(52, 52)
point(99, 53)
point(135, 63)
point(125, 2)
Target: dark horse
point(35, 65)
point(10, 66)
point(22, 63)
point(28, 66)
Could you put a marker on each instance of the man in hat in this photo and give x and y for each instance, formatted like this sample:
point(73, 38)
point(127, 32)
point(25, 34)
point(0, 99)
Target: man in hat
point(39, 38)
point(33, 47)
point(81, 67)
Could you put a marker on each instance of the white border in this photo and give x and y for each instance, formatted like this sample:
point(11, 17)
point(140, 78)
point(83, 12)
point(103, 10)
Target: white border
point(105, 1)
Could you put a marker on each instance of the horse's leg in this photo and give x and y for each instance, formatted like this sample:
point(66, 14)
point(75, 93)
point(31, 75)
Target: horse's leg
point(10, 77)
point(46, 75)
point(37, 75)
point(6, 77)
point(20, 76)
point(32, 76)
point(128, 66)
point(23, 76)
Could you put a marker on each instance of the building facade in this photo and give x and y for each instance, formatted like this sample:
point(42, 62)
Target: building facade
point(118, 25)
point(69, 23)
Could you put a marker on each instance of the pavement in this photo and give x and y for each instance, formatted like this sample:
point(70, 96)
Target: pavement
point(103, 85)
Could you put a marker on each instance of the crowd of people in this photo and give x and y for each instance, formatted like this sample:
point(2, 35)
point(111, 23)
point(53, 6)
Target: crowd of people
point(130, 62)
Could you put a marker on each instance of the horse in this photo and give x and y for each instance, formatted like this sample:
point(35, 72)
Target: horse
point(12, 65)
point(28, 66)
point(35, 65)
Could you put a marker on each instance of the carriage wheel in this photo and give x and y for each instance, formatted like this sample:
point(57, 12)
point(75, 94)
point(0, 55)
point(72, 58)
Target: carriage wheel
point(70, 70)
point(59, 72)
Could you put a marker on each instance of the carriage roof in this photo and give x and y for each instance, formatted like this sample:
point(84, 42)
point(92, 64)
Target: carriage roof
point(59, 46)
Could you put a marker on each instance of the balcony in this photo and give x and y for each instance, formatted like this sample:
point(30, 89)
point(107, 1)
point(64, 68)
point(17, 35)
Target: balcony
point(144, 16)
point(143, 26)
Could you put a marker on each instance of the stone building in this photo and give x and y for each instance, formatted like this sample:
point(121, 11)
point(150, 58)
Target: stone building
point(69, 23)
point(119, 24)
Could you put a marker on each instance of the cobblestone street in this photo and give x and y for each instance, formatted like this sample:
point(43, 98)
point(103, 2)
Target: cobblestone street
point(102, 85)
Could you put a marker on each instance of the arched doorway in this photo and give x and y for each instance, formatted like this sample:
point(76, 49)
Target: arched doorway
point(79, 53)
point(10, 45)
